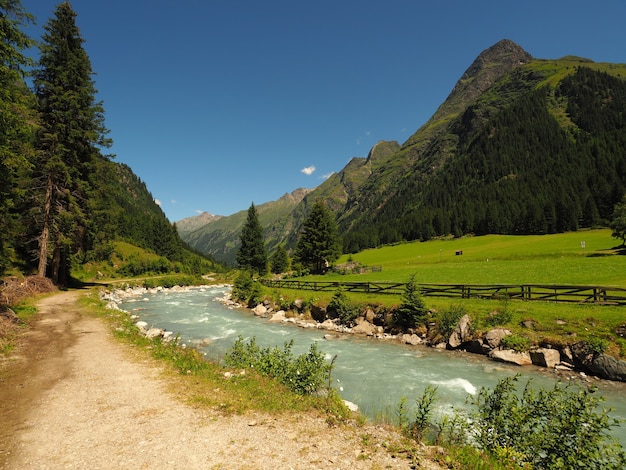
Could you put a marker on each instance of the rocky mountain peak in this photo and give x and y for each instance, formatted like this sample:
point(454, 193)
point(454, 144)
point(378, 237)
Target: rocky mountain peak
point(503, 56)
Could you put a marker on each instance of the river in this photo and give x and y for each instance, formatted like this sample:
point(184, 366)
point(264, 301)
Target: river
point(374, 374)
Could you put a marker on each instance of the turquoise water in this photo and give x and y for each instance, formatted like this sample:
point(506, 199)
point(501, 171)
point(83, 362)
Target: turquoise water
point(374, 374)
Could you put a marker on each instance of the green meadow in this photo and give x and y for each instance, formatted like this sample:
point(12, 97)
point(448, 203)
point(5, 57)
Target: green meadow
point(590, 257)
point(587, 258)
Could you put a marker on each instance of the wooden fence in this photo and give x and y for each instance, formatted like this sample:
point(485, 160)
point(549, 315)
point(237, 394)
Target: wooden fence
point(548, 293)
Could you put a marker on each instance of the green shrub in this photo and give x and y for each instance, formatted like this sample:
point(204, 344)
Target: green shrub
point(341, 305)
point(423, 413)
point(516, 342)
point(305, 374)
point(412, 311)
point(597, 345)
point(449, 318)
point(246, 289)
point(547, 429)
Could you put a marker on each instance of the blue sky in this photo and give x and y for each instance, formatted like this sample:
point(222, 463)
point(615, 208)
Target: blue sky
point(215, 104)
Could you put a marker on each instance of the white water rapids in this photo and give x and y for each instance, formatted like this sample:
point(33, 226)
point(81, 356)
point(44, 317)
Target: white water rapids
point(374, 374)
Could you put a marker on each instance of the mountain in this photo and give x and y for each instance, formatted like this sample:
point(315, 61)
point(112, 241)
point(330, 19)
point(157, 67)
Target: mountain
point(219, 237)
point(521, 145)
point(191, 224)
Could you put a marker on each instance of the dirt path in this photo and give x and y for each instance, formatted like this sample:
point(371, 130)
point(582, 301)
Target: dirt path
point(74, 398)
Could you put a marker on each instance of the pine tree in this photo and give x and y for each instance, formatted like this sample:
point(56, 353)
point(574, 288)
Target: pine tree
point(72, 131)
point(16, 116)
point(618, 224)
point(319, 243)
point(252, 254)
point(280, 260)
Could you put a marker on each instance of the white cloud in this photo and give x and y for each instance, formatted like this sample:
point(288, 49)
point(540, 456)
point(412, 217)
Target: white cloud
point(199, 211)
point(157, 202)
point(173, 201)
point(328, 175)
point(308, 170)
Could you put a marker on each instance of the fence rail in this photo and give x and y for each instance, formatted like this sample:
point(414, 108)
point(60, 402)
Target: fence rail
point(549, 293)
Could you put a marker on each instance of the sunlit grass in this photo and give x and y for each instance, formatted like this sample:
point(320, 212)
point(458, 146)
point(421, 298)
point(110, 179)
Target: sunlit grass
point(585, 258)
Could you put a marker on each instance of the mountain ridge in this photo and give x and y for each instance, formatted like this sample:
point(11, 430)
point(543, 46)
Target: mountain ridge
point(373, 196)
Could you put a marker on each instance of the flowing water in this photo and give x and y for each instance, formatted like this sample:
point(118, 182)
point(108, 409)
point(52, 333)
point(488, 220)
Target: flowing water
point(374, 374)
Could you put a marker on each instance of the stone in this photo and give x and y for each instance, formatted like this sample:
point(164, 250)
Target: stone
point(370, 315)
point(351, 406)
point(154, 332)
point(545, 357)
point(278, 316)
point(410, 339)
point(511, 356)
point(328, 325)
point(142, 325)
point(476, 346)
point(260, 310)
point(494, 337)
point(461, 333)
point(364, 327)
point(598, 364)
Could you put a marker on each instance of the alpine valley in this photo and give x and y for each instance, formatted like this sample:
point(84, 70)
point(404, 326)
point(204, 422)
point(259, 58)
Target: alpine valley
point(520, 146)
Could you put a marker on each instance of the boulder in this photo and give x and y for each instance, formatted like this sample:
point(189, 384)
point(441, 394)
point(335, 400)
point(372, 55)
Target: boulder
point(477, 346)
point(545, 357)
point(493, 338)
point(329, 325)
point(278, 316)
point(154, 332)
point(370, 315)
point(260, 310)
point(608, 367)
point(599, 364)
point(142, 325)
point(364, 328)
point(318, 313)
point(410, 339)
point(461, 333)
point(511, 356)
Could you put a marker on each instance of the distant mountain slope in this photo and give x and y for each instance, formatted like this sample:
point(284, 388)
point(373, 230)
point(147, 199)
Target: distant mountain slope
point(191, 224)
point(220, 237)
point(521, 145)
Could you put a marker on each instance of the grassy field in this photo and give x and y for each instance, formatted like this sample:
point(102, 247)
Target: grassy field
point(503, 259)
point(499, 259)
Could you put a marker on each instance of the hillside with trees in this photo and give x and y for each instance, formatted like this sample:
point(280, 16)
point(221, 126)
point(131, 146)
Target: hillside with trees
point(63, 201)
point(520, 146)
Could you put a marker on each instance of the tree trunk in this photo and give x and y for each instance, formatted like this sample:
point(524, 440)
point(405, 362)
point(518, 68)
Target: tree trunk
point(44, 238)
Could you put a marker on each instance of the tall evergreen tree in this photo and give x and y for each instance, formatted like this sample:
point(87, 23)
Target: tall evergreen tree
point(16, 116)
point(280, 260)
point(319, 243)
point(252, 254)
point(72, 132)
point(618, 224)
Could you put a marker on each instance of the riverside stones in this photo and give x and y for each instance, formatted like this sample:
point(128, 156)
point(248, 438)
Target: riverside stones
point(364, 327)
point(511, 356)
point(545, 357)
point(600, 364)
point(461, 333)
point(410, 339)
point(494, 337)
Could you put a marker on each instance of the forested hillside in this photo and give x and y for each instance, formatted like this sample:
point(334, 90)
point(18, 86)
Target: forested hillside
point(520, 146)
point(63, 201)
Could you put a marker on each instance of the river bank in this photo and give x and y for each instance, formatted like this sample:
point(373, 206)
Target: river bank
point(75, 398)
point(577, 361)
